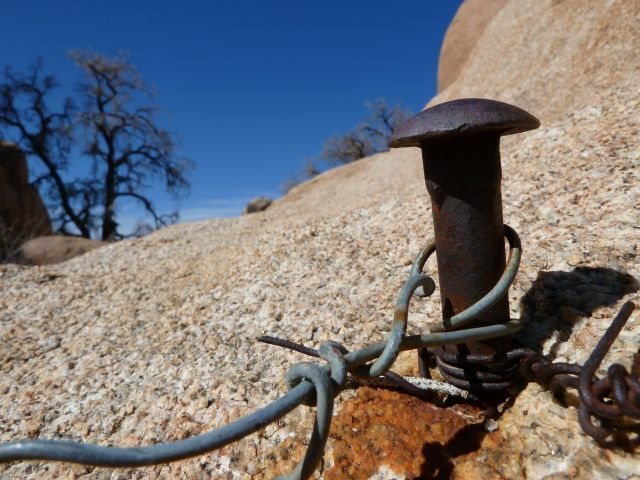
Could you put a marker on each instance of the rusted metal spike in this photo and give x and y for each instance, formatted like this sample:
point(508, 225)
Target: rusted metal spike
point(635, 366)
point(461, 157)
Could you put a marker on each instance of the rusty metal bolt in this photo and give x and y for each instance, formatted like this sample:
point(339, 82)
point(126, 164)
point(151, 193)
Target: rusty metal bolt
point(461, 157)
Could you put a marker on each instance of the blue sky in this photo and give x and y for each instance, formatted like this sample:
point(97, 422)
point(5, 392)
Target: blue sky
point(252, 89)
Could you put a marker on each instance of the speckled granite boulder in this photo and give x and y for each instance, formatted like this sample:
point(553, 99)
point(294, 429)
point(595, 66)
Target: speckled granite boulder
point(258, 204)
point(55, 249)
point(462, 35)
point(153, 339)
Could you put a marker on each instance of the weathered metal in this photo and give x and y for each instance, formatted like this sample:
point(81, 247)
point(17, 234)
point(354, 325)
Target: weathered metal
point(614, 399)
point(461, 157)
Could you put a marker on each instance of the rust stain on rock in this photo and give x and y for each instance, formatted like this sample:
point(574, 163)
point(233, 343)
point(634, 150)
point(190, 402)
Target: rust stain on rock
point(284, 457)
point(381, 428)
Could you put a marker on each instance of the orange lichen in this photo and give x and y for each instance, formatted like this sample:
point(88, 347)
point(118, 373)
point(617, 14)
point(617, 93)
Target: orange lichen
point(284, 457)
point(408, 436)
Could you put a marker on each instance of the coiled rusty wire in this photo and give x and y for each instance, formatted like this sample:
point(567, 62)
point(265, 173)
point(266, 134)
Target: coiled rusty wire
point(610, 399)
point(314, 384)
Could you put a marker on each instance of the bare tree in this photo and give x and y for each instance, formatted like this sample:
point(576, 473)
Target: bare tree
point(309, 171)
point(122, 138)
point(13, 236)
point(26, 118)
point(383, 121)
point(368, 138)
point(115, 127)
point(347, 148)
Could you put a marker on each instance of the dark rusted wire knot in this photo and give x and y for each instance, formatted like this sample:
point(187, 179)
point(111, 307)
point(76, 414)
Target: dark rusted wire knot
point(610, 399)
point(614, 386)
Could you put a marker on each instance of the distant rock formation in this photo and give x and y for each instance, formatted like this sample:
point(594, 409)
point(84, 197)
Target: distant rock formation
point(259, 204)
point(22, 212)
point(55, 249)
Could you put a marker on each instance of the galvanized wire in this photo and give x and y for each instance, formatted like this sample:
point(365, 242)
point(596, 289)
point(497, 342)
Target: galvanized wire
point(495, 294)
point(309, 383)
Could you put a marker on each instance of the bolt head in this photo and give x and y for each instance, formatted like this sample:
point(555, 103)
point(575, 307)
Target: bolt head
point(460, 118)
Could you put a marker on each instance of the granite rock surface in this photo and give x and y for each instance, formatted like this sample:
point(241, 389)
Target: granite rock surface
point(462, 35)
point(152, 340)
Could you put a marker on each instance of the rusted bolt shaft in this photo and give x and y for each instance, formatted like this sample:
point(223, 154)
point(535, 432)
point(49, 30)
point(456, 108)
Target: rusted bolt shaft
point(460, 142)
point(463, 180)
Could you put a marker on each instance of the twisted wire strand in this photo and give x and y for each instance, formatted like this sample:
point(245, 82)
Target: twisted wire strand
point(312, 372)
point(305, 380)
point(590, 404)
point(610, 398)
point(393, 379)
point(102, 456)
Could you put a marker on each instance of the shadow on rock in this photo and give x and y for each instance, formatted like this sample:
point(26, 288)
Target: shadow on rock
point(557, 300)
point(439, 465)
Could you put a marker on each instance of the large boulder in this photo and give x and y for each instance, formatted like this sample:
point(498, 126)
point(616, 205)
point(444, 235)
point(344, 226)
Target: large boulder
point(153, 340)
point(552, 57)
point(55, 249)
point(462, 35)
point(258, 204)
point(22, 212)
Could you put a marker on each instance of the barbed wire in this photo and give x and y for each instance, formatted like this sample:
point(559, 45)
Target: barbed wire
point(315, 384)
